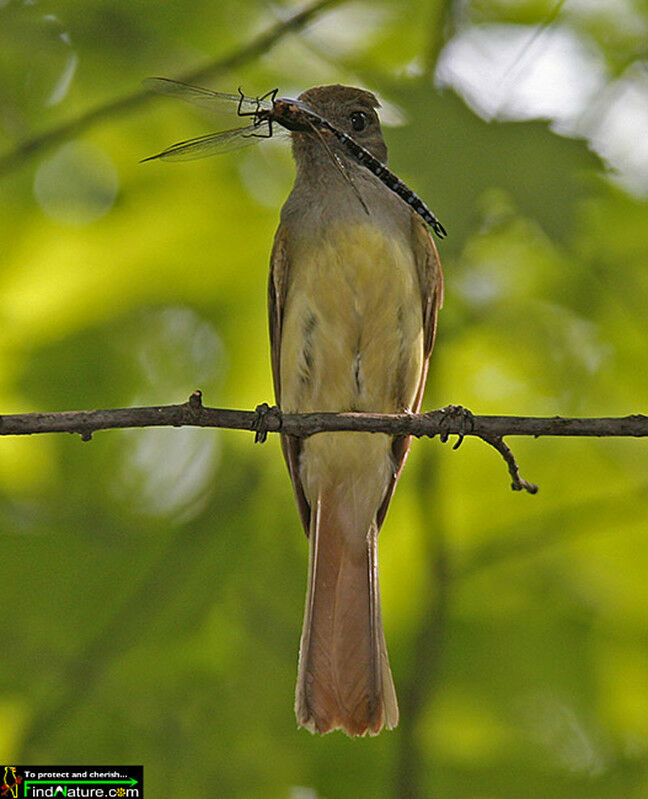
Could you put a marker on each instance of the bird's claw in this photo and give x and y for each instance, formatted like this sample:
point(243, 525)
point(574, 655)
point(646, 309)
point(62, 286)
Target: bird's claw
point(460, 420)
point(261, 424)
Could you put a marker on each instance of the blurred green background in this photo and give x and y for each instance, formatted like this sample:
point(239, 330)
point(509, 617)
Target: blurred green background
point(154, 579)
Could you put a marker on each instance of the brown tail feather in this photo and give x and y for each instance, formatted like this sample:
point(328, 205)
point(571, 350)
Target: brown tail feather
point(344, 677)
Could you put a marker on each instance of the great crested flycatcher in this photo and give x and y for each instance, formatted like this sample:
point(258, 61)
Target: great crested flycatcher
point(355, 287)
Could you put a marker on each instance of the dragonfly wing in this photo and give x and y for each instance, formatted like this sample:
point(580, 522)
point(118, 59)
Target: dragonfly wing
point(213, 143)
point(206, 98)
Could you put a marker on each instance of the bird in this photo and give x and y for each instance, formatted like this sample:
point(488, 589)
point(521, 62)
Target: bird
point(354, 291)
point(11, 782)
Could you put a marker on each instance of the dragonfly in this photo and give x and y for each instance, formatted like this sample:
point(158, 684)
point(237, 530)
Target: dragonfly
point(264, 113)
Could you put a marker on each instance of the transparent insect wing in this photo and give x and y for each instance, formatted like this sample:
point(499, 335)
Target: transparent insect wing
point(212, 144)
point(205, 98)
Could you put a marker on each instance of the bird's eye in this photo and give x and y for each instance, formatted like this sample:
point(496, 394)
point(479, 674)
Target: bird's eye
point(358, 120)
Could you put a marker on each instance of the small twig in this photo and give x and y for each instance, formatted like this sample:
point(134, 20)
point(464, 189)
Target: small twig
point(519, 483)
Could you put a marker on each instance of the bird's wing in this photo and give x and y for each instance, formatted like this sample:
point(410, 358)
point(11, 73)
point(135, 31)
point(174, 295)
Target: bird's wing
point(277, 288)
point(430, 279)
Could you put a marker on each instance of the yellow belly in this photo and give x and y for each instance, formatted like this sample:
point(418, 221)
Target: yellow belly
point(352, 340)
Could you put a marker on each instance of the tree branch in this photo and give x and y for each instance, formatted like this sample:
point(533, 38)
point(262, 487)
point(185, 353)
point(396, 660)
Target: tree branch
point(443, 422)
point(453, 420)
point(261, 44)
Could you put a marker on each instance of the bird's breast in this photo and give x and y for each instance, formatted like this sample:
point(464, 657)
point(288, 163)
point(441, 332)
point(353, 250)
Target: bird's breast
point(352, 323)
